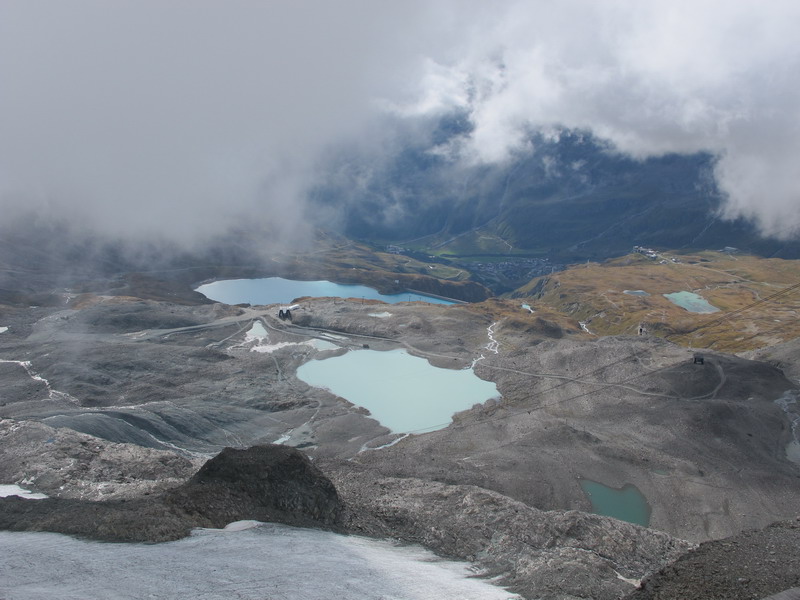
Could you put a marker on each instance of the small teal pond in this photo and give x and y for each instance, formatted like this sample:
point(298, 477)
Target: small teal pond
point(626, 504)
point(691, 302)
point(635, 292)
point(404, 393)
point(276, 290)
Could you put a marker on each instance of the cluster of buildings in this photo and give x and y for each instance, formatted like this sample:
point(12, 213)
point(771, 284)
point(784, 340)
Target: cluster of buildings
point(652, 254)
point(648, 252)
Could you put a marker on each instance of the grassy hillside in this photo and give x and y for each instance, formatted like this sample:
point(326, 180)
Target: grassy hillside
point(756, 302)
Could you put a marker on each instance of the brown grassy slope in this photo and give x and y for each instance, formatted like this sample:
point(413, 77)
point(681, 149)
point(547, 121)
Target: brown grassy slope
point(736, 284)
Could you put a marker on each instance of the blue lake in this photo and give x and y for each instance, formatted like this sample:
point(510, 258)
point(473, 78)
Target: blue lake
point(404, 393)
point(691, 302)
point(626, 504)
point(276, 290)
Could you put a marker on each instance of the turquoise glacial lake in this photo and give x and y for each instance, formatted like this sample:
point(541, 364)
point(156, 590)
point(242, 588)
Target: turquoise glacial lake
point(277, 290)
point(404, 393)
point(626, 504)
point(691, 302)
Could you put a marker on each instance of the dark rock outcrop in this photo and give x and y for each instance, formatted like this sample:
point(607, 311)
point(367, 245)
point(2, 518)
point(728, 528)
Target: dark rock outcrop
point(267, 483)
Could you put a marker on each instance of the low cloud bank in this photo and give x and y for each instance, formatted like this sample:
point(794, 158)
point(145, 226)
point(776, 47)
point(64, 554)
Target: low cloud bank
point(182, 118)
point(652, 78)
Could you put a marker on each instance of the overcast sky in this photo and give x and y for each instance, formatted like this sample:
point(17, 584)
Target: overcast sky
point(179, 116)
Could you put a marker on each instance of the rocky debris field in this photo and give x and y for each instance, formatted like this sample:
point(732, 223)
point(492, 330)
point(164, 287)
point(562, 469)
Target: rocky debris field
point(64, 463)
point(751, 565)
point(539, 554)
point(121, 399)
point(266, 483)
point(705, 444)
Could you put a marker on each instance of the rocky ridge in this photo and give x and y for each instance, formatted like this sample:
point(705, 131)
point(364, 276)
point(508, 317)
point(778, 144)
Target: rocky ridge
point(64, 463)
point(750, 565)
point(704, 443)
point(536, 553)
point(266, 483)
point(539, 554)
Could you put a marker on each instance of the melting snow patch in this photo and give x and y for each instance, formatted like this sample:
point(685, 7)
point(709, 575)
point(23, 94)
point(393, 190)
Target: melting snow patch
point(256, 332)
point(322, 345)
point(270, 348)
point(635, 582)
point(253, 563)
point(15, 490)
point(241, 525)
point(284, 438)
point(381, 315)
point(316, 344)
point(527, 307)
point(3, 329)
point(364, 446)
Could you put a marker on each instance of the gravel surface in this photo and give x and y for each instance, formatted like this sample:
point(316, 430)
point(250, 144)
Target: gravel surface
point(751, 565)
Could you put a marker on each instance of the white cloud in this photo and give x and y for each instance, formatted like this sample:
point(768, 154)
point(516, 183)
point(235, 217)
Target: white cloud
point(652, 78)
point(179, 116)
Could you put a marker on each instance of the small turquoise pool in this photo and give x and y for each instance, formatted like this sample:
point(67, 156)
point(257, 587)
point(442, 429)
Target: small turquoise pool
point(626, 504)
